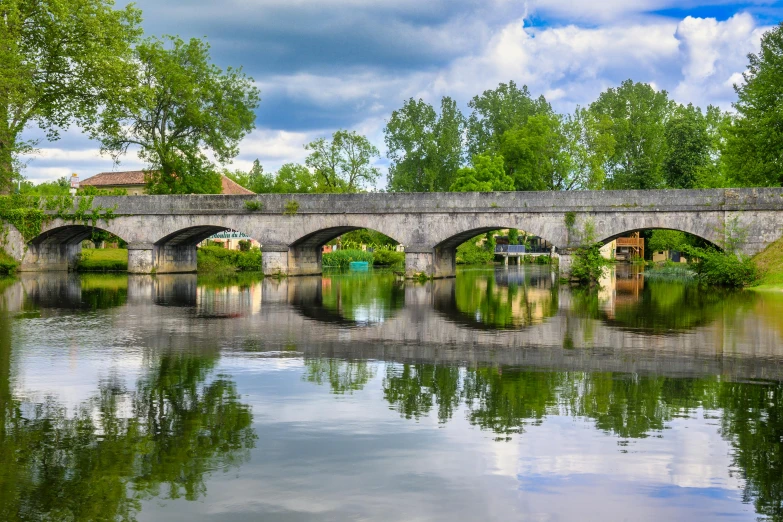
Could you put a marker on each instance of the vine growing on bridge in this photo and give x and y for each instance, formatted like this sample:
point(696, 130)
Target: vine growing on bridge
point(30, 213)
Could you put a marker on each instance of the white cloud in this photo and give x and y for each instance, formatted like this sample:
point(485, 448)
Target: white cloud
point(713, 56)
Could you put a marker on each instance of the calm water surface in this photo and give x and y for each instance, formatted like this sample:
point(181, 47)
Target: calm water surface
point(493, 396)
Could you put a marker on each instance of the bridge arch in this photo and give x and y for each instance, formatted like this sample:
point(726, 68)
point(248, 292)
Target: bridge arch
point(58, 248)
point(176, 252)
point(444, 253)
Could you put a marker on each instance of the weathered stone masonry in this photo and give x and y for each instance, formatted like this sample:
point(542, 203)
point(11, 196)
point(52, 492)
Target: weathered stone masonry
point(162, 231)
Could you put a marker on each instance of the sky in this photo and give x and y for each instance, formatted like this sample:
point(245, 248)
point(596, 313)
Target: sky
point(323, 65)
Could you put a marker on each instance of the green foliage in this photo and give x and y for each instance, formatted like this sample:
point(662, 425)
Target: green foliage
point(60, 62)
point(365, 236)
point(387, 257)
point(8, 264)
point(496, 111)
point(343, 258)
point(469, 253)
point(692, 140)
point(29, 213)
point(217, 260)
point(486, 175)
point(666, 240)
point(180, 107)
point(291, 207)
point(570, 220)
point(638, 114)
point(425, 149)
point(59, 187)
point(588, 264)
point(513, 236)
point(717, 268)
point(754, 149)
point(103, 260)
point(254, 206)
point(343, 164)
point(245, 245)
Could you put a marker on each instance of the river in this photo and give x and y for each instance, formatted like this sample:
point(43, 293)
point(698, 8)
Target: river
point(498, 395)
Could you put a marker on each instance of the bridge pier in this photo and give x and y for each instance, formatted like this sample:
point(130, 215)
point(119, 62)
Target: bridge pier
point(304, 260)
point(50, 257)
point(148, 258)
point(274, 260)
point(431, 262)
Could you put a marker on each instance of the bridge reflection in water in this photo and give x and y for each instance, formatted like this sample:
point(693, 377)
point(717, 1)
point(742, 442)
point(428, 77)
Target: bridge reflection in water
point(502, 351)
point(513, 316)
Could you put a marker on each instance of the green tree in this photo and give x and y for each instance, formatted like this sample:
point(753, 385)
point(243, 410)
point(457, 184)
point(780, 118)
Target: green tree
point(691, 155)
point(638, 115)
point(535, 153)
point(496, 111)
point(343, 164)
point(293, 178)
point(666, 240)
point(58, 187)
point(425, 148)
point(181, 106)
point(486, 175)
point(60, 62)
point(753, 151)
point(255, 179)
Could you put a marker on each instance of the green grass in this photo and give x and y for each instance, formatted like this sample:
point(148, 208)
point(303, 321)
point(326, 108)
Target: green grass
point(8, 264)
point(770, 265)
point(216, 260)
point(342, 258)
point(103, 260)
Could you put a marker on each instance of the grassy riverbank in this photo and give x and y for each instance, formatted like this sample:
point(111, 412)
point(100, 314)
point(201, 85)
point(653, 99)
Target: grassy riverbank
point(218, 260)
point(770, 265)
point(211, 260)
point(103, 260)
point(342, 258)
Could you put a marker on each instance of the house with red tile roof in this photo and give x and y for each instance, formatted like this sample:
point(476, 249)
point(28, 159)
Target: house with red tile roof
point(134, 183)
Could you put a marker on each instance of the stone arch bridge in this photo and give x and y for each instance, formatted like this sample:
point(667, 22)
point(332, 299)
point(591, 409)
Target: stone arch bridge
point(162, 231)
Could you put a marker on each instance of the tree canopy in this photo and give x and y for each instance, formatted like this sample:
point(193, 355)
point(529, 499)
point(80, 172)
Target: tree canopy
point(60, 62)
point(425, 148)
point(754, 148)
point(181, 107)
point(344, 163)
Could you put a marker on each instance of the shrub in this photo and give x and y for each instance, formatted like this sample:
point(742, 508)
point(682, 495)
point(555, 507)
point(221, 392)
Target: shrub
point(217, 259)
point(717, 268)
point(254, 206)
point(588, 264)
point(469, 253)
point(543, 260)
point(342, 258)
point(245, 245)
point(387, 257)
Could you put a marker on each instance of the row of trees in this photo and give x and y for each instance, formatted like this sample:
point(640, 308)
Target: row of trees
point(84, 62)
point(631, 137)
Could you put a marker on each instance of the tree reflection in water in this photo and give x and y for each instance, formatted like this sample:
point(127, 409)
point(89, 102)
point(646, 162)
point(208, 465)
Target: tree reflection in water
point(121, 446)
point(506, 400)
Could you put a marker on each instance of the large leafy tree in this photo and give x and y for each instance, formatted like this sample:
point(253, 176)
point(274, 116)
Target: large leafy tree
point(425, 148)
point(692, 140)
point(181, 107)
point(754, 148)
point(60, 61)
point(638, 115)
point(497, 111)
point(344, 163)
